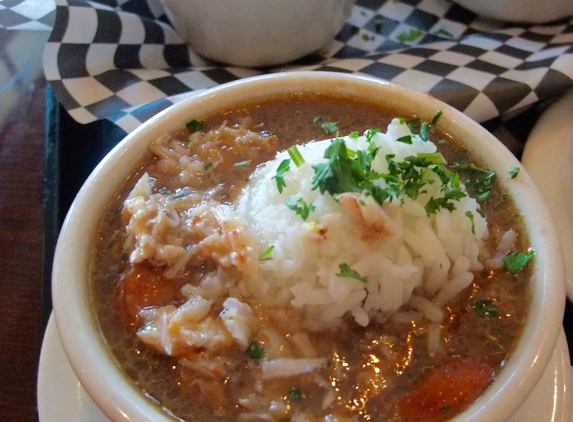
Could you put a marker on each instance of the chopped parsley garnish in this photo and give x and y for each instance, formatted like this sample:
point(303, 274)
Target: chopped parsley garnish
point(207, 166)
point(414, 125)
point(410, 35)
point(347, 272)
point(485, 309)
point(367, 37)
point(515, 262)
point(433, 158)
point(470, 215)
point(256, 350)
point(296, 156)
point(442, 32)
point(425, 131)
point(378, 22)
point(370, 134)
point(283, 167)
point(300, 207)
point(294, 395)
point(349, 171)
point(436, 118)
point(242, 163)
point(328, 127)
point(478, 181)
point(514, 171)
point(405, 139)
point(434, 204)
point(195, 125)
point(266, 255)
point(341, 173)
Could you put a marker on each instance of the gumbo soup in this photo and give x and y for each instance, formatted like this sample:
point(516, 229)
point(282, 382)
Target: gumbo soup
point(311, 258)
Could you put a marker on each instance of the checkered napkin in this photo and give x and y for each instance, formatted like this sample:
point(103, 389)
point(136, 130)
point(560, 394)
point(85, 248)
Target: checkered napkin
point(35, 15)
point(121, 60)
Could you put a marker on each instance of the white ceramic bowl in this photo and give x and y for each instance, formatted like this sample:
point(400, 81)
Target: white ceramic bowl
point(252, 33)
point(524, 11)
point(95, 367)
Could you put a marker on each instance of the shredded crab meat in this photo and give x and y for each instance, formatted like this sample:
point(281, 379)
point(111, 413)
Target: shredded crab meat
point(191, 161)
point(505, 245)
point(287, 367)
point(384, 219)
point(174, 331)
point(174, 229)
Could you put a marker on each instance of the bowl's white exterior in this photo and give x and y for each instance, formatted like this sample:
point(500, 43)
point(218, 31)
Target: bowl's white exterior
point(252, 33)
point(524, 11)
point(97, 370)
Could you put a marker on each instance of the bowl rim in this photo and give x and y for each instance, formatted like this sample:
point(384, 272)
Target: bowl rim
point(76, 323)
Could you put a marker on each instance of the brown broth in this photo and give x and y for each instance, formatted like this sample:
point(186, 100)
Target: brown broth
point(372, 386)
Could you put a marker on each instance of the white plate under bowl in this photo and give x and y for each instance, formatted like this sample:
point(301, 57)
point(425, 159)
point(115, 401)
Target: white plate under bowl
point(61, 397)
point(548, 158)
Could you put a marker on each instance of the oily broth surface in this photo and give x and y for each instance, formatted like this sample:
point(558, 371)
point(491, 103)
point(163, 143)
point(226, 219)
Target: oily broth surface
point(170, 384)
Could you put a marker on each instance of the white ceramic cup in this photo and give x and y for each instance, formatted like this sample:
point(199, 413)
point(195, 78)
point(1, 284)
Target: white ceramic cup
point(82, 341)
point(253, 33)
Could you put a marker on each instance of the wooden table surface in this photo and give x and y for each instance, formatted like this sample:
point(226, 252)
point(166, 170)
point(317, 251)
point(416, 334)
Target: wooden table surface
point(22, 132)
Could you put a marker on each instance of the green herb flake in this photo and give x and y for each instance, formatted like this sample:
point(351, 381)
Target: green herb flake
point(300, 207)
point(294, 395)
point(283, 167)
point(296, 156)
point(515, 262)
point(470, 215)
point(207, 166)
point(411, 35)
point(425, 131)
point(370, 134)
point(354, 135)
point(341, 173)
point(367, 37)
point(329, 127)
point(378, 22)
point(446, 409)
point(414, 125)
point(514, 171)
point(256, 350)
point(266, 255)
point(443, 33)
point(436, 118)
point(432, 158)
point(485, 309)
point(242, 163)
point(195, 125)
point(405, 139)
point(347, 272)
point(478, 181)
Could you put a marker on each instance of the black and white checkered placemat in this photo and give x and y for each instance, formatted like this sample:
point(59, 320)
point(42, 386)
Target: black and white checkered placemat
point(30, 15)
point(122, 61)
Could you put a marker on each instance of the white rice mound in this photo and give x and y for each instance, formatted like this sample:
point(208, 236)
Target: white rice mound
point(433, 254)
